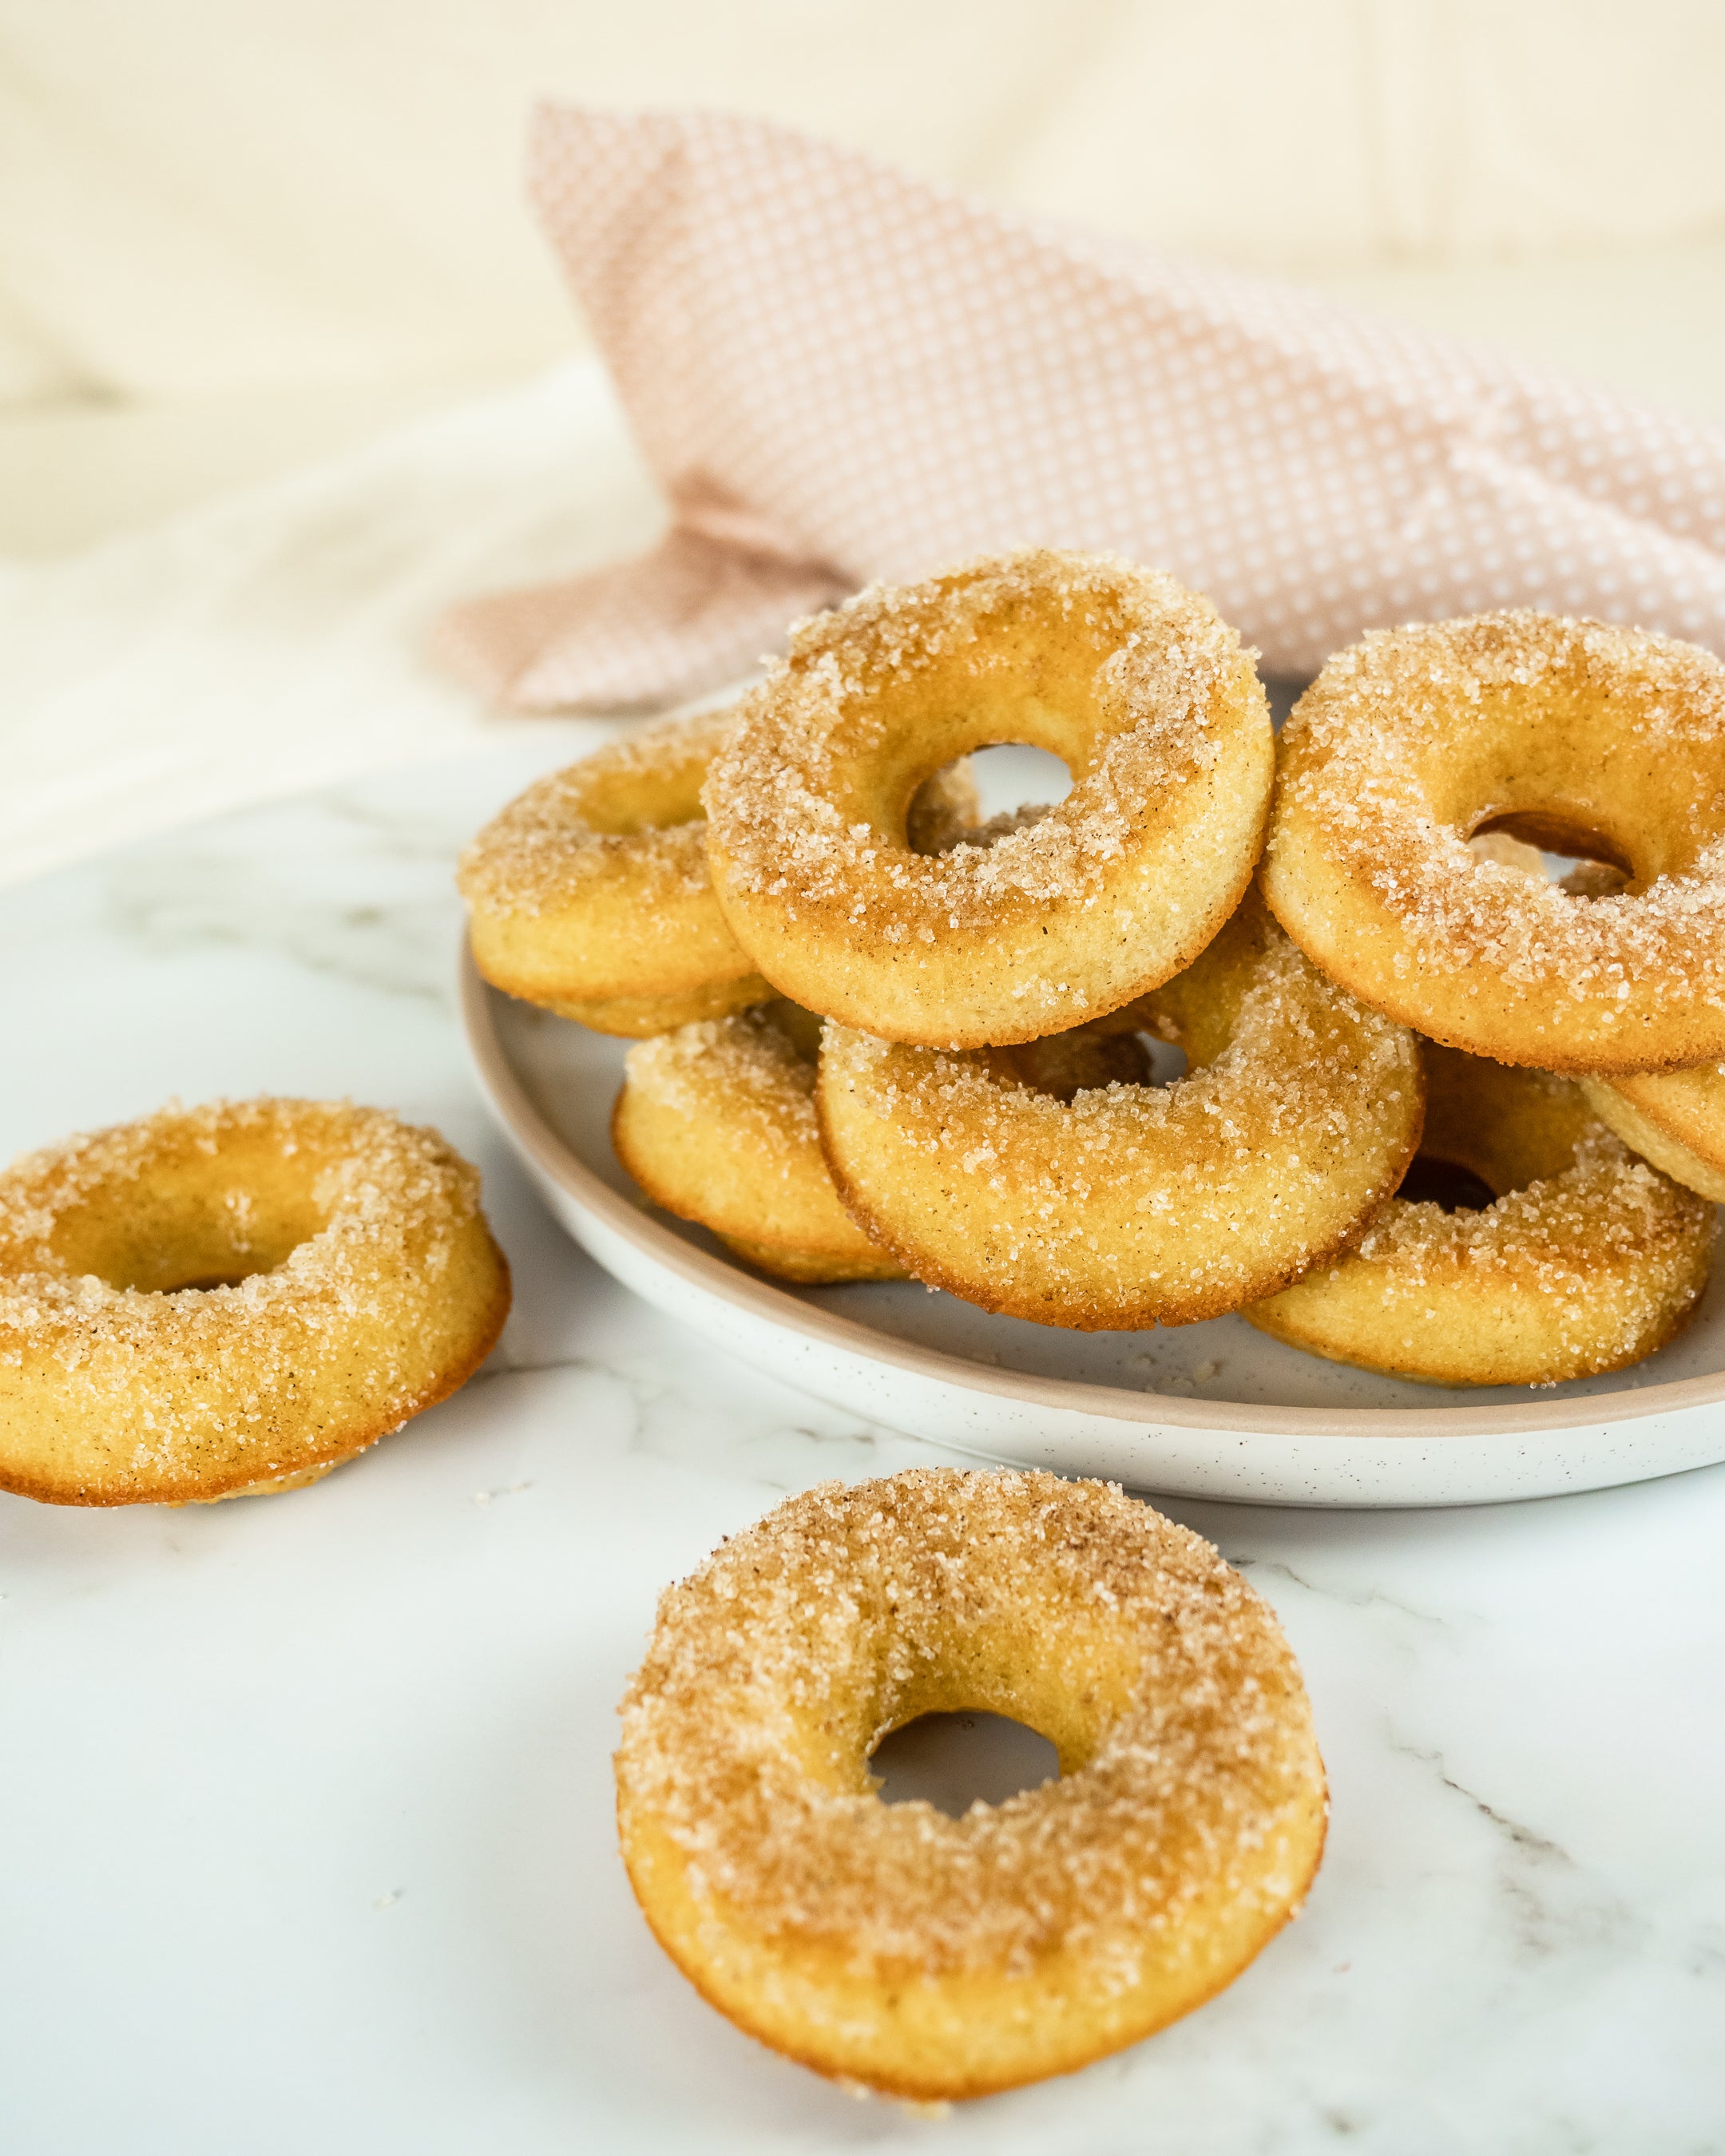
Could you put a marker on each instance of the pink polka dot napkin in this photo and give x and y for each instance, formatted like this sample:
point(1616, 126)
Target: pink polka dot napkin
point(841, 374)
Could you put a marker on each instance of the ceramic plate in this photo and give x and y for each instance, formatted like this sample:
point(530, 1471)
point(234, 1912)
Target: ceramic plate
point(1211, 1410)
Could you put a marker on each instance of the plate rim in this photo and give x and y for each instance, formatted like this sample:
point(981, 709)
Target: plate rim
point(761, 1299)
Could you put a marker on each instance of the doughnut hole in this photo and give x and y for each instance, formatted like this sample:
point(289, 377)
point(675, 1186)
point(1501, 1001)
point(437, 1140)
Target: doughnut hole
point(1069, 1693)
point(1019, 694)
point(1491, 1128)
point(196, 1224)
point(1585, 862)
point(1563, 772)
point(1057, 1705)
point(1431, 1181)
point(1581, 875)
point(647, 797)
point(980, 798)
point(1081, 1061)
point(1012, 777)
point(1022, 754)
point(1168, 1061)
point(953, 1761)
point(1106, 1052)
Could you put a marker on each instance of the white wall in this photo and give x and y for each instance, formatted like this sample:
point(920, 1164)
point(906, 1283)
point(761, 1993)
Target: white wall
point(206, 196)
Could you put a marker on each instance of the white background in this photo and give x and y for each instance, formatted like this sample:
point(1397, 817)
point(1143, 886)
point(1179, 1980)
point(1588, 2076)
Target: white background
point(236, 234)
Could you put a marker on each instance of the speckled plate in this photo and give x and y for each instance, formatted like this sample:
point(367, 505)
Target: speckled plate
point(1212, 1410)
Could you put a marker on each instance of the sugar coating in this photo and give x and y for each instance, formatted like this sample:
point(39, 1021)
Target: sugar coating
point(1357, 757)
point(716, 1123)
point(771, 789)
point(746, 1068)
point(1246, 1097)
point(775, 1669)
point(394, 1220)
point(1555, 1233)
point(1128, 1202)
point(1589, 1260)
point(578, 824)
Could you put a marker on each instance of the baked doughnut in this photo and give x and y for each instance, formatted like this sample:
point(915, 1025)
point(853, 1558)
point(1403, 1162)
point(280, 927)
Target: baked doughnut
point(232, 1299)
point(1140, 687)
point(1674, 1118)
point(932, 1958)
point(1588, 1260)
point(1573, 735)
point(589, 893)
point(1131, 1206)
point(716, 1123)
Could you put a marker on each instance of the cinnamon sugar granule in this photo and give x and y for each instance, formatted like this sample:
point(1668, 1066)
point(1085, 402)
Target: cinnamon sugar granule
point(1552, 1234)
point(773, 1671)
point(573, 824)
point(747, 1064)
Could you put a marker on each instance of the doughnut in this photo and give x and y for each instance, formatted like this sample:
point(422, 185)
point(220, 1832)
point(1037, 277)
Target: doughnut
point(716, 1123)
point(1130, 1205)
point(1140, 687)
point(1573, 735)
point(232, 1299)
point(1588, 1260)
point(589, 893)
point(893, 1948)
point(1674, 1118)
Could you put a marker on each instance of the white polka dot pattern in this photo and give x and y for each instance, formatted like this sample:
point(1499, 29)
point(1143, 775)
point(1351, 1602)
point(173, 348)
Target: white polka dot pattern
point(841, 374)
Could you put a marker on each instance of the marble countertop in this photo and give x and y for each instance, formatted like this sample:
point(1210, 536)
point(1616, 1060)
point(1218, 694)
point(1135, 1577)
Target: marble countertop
point(306, 1801)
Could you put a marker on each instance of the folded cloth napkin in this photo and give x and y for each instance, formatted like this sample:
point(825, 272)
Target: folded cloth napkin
point(841, 374)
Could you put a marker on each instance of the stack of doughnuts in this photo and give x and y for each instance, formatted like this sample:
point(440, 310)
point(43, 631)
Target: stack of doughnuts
point(884, 1038)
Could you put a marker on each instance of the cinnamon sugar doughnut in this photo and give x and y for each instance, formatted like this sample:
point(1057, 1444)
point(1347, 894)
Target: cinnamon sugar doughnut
point(1139, 686)
point(716, 1123)
point(1572, 734)
point(931, 1958)
point(1588, 1260)
point(1131, 1206)
point(1674, 1118)
point(589, 893)
point(232, 1299)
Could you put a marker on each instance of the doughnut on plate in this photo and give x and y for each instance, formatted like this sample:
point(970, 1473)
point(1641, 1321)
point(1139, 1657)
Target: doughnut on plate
point(1210, 1410)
